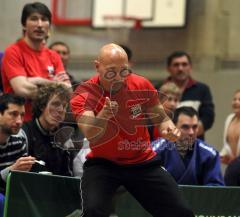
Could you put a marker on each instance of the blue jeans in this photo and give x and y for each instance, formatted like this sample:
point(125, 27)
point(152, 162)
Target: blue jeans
point(1, 204)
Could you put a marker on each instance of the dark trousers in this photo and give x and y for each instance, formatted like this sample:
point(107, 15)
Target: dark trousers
point(232, 173)
point(151, 185)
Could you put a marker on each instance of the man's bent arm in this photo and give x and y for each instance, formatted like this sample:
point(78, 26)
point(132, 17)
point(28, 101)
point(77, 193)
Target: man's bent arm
point(166, 127)
point(93, 127)
point(27, 86)
point(23, 87)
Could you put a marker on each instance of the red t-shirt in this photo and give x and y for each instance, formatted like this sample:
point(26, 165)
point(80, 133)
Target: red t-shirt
point(126, 140)
point(156, 133)
point(21, 60)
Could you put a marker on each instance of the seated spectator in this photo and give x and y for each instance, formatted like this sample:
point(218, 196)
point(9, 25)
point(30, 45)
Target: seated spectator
point(64, 51)
point(170, 96)
point(194, 93)
point(13, 149)
point(232, 173)
point(231, 136)
point(42, 133)
point(189, 160)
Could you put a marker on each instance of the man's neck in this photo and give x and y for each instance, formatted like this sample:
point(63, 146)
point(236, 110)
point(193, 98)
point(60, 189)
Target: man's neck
point(3, 137)
point(35, 45)
point(181, 84)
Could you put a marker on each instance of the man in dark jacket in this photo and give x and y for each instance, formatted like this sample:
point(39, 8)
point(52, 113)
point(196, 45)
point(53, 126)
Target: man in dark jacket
point(194, 93)
point(49, 109)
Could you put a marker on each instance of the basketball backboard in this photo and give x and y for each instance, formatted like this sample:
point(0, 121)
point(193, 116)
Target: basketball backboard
point(168, 13)
point(151, 13)
point(125, 9)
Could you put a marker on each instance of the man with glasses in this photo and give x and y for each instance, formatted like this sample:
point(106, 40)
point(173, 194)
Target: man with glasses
point(189, 160)
point(111, 110)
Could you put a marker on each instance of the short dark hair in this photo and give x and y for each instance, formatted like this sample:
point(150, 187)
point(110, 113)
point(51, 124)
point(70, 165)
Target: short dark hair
point(127, 50)
point(59, 43)
point(38, 7)
point(177, 54)
point(45, 93)
point(9, 98)
point(186, 110)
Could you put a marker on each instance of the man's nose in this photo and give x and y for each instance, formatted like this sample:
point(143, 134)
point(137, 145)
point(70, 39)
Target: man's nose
point(61, 108)
point(118, 77)
point(190, 131)
point(19, 119)
point(180, 67)
point(172, 103)
point(40, 22)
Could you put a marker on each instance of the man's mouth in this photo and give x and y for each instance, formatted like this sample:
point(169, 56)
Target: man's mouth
point(39, 32)
point(187, 140)
point(57, 118)
point(180, 73)
point(235, 105)
point(15, 128)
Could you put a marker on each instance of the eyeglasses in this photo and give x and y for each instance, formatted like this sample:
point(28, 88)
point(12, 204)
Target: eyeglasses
point(112, 74)
point(187, 127)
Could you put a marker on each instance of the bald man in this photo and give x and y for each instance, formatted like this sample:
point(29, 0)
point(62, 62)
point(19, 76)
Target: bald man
point(112, 109)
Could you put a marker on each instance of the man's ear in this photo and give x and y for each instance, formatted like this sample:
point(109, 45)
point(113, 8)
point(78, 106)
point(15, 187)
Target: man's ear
point(96, 63)
point(24, 28)
point(168, 70)
point(41, 108)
